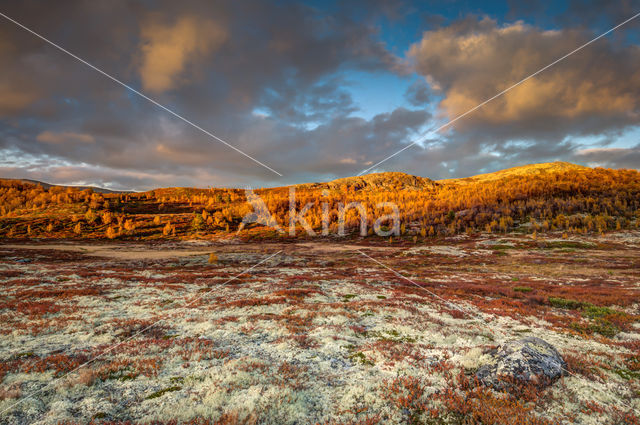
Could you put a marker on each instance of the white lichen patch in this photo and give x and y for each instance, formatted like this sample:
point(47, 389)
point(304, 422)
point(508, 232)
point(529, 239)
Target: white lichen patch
point(289, 343)
point(445, 250)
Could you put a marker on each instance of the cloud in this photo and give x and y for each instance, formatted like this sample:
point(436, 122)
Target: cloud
point(16, 91)
point(64, 137)
point(595, 14)
point(610, 157)
point(271, 78)
point(594, 91)
point(168, 49)
point(418, 93)
point(355, 139)
point(14, 99)
point(266, 77)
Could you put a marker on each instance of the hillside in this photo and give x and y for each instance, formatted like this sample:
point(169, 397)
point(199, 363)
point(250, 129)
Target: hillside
point(535, 198)
point(49, 185)
point(524, 170)
point(382, 182)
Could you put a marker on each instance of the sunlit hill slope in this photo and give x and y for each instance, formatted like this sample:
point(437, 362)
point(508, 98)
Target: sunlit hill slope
point(525, 170)
point(555, 196)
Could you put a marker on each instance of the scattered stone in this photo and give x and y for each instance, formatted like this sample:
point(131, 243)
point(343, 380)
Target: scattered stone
point(21, 260)
point(526, 360)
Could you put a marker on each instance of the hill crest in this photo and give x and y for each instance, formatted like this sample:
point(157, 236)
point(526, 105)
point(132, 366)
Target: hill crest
point(391, 180)
point(522, 170)
point(47, 186)
point(398, 180)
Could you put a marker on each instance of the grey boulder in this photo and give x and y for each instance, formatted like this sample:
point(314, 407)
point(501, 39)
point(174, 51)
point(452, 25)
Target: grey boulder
point(523, 361)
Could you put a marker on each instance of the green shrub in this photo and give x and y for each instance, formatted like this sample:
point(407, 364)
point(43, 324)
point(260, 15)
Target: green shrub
point(359, 357)
point(346, 298)
point(565, 303)
point(592, 312)
point(522, 289)
point(627, 374)
point(600, 326)
point(162, 392)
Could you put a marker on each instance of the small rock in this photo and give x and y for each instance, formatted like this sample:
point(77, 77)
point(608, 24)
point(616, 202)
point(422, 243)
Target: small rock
point(526, 360)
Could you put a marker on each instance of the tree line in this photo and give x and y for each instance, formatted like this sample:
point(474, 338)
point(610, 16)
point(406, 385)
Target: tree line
point(574, 201)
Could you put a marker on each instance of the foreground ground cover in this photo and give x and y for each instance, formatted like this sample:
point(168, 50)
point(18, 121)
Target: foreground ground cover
point(318, 333)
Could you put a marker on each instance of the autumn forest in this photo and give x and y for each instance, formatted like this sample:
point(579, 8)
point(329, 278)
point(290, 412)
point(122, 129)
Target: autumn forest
point(571, 199)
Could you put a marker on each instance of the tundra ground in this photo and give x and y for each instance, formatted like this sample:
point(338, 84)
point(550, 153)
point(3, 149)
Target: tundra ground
point(320, 332)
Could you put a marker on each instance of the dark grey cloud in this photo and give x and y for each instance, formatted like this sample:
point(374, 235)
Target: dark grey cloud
point(266, 77)
point(272, 79)
point(610, 157)
point(418, 93)
point(594, 14)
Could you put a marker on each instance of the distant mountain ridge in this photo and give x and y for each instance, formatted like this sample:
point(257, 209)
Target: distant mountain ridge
point(523, 170)
point(384, 181)
point(399, 180)
point(48, 185)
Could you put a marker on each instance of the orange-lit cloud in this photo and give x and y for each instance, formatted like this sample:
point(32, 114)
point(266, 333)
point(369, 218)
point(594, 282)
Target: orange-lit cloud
point(471, 61)
point(14, 99)
point(168, 50)
point(64, 137)
point(16, 92)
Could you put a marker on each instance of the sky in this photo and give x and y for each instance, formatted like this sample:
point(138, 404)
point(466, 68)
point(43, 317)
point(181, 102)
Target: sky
point(311, 91)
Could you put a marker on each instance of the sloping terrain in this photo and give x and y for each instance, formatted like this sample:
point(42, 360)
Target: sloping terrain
point(537, 198)
point(381, 182)
point(524, 170)
point(48, 186)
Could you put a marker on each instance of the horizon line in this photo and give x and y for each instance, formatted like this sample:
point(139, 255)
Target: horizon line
point(96, 187)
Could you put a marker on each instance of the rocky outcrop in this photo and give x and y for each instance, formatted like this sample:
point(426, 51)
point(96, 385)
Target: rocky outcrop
point(526, 360)
point(376, 182)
